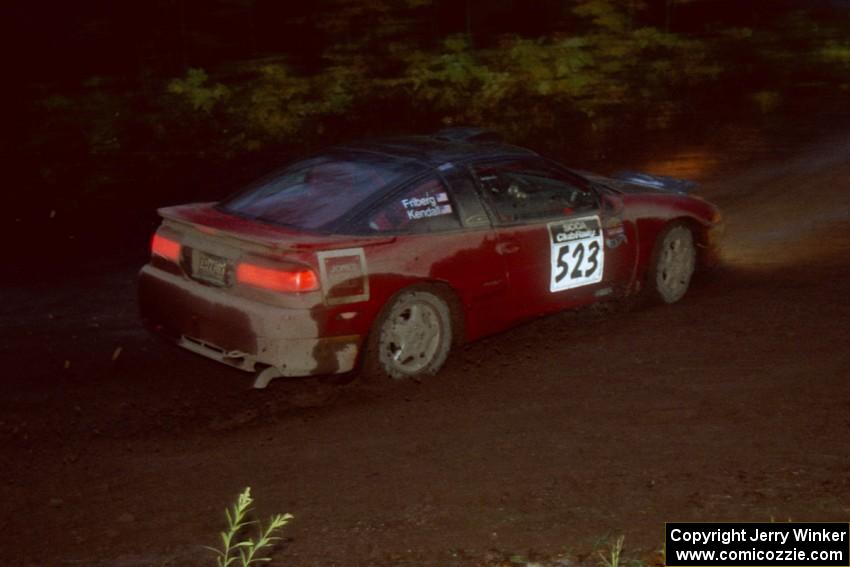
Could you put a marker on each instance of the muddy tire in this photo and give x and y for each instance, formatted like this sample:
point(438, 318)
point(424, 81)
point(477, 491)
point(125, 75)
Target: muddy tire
point(673, 264)
point(411, 338)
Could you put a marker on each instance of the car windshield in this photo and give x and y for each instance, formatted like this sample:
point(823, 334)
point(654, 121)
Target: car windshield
point(314, 193)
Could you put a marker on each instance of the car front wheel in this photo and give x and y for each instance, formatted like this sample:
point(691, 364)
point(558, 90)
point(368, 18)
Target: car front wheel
point(411, 338)
point(674, 261)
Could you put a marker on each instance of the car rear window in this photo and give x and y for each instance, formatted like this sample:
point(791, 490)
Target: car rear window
point(312, 194)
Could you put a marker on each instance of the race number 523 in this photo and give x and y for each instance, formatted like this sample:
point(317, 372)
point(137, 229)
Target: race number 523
point(577, 253)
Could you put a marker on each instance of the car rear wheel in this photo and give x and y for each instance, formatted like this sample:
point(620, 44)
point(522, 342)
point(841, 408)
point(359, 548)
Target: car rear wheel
point(674, 261)
point(411, 338)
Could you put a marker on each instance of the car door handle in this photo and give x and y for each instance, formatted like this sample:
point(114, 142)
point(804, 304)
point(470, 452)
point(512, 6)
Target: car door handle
point(505, 248)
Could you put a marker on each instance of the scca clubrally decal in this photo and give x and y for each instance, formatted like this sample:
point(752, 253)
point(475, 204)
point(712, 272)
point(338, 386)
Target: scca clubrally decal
point(577, 253)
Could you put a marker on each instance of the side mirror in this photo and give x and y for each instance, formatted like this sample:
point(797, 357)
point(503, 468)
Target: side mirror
point(611, 204)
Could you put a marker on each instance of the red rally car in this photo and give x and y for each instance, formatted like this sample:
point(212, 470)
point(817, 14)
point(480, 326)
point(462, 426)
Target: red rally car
point(385, 254)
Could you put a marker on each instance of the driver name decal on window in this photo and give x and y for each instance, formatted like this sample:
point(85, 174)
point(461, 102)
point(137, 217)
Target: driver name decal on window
point(426, 206)
point(577, 253)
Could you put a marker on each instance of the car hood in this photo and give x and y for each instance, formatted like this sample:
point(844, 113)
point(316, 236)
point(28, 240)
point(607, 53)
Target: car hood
point(634, 182)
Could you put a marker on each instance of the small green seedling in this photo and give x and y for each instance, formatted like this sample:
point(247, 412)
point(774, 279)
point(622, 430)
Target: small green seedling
point(246, 551)
point(612, 559)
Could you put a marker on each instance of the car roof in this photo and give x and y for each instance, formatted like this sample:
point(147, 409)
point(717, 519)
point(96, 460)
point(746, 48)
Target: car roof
point(434, 151)
point(418, 154)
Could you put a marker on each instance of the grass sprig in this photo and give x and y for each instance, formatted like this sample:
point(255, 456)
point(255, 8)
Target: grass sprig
point(612, 559)
point(246, 551)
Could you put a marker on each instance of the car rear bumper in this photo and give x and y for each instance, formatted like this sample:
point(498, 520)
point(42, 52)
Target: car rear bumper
point(240, 332)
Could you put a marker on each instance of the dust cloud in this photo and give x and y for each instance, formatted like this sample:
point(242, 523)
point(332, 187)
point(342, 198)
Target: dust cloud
point(784, 211)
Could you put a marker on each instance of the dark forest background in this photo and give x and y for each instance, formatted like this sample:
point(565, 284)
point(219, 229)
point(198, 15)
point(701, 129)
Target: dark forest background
point(120, 107)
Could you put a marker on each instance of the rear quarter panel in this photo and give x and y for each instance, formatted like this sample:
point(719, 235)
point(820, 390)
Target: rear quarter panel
point(462, 264)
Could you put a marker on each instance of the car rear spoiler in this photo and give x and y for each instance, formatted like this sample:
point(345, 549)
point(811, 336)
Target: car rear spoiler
point(209, 220)
point(659, 182)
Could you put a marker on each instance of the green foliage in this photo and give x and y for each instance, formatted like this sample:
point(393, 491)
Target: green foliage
point(767, 101)
point(56, 102)
point(454, 82)
point(193, 88)
point(268, 103)
point(279, 104)
point(836, 52)
point(612, 64)
point(606, 14)
point(246, 551)
point(558, 69)
point(374, 26)
point(383, 68)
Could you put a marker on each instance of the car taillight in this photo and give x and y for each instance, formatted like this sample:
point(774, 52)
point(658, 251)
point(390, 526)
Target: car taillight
point(165, 248)
point(292, 280)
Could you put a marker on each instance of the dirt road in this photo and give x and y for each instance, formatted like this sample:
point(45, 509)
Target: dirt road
point(732, 405)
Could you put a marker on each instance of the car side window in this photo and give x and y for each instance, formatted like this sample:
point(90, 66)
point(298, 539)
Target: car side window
point(470, 209)
point(524, 190)
point(425, 206)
